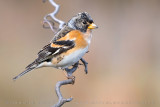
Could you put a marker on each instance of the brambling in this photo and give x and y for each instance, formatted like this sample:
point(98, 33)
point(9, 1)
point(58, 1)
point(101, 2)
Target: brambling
point(67, 47)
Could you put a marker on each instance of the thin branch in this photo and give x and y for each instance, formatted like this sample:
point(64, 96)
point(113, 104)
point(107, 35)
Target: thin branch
point(52, 15)
point(60, 97)
point(61, 23)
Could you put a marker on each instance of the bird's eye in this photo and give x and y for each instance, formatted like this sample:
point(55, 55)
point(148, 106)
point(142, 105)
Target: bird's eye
point(84, 22)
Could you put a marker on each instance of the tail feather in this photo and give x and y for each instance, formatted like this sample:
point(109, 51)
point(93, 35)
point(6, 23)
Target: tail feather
point(31, 65)
point(24, 72)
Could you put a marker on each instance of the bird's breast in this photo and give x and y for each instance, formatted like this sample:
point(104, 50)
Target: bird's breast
point(71, 58)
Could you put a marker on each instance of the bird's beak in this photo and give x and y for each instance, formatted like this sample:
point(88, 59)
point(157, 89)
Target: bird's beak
point(92, 26)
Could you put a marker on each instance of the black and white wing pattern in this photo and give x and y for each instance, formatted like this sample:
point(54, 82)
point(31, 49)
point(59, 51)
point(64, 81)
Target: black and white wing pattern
point(54, 49)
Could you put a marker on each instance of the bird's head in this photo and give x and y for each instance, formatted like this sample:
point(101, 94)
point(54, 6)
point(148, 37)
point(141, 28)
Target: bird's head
point(82, 21)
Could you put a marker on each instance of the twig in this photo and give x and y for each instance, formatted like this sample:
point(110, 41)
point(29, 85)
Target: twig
point(60, 97)
point(52, 15)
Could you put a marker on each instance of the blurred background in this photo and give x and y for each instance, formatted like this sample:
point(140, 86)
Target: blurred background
point(124, 55)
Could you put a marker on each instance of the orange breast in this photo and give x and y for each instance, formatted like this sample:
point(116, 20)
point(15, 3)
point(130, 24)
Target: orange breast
point(77, 36)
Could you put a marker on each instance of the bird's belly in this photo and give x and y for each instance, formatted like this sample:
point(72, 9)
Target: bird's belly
point(72, 58)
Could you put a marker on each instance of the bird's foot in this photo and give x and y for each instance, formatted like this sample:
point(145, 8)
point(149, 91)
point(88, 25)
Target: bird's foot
point(85, 65)
point(70, 71)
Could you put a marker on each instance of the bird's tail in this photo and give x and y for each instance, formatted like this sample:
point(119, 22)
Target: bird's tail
point(28, 69)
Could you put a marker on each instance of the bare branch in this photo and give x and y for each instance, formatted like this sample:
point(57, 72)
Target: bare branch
point(61, 23)
point(52, 15)
point(60, 97)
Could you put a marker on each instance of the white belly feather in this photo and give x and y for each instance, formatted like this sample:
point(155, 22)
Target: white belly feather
point(72, 58)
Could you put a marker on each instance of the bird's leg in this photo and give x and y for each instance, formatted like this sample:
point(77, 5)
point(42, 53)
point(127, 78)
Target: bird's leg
point(85, 65)
point(71, 71)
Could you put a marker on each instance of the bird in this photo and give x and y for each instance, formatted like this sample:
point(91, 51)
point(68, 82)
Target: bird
point(67, 47)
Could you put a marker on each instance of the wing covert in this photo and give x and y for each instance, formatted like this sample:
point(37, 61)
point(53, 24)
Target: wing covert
point(53, 49)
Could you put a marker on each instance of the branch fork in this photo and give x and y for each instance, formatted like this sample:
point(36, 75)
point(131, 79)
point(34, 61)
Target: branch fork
point(60, 97)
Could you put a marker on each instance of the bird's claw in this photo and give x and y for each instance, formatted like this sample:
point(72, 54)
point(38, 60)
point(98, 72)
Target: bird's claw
point(85, 65)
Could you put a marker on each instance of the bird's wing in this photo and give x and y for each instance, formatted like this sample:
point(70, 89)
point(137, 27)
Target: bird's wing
point(51, 50)
point(54, 49)
point(47, 52)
